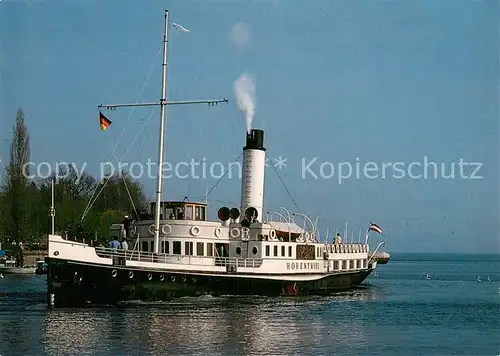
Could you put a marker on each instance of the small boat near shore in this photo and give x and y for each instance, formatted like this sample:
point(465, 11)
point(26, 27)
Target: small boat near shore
point(8, 266)
point(17, 270)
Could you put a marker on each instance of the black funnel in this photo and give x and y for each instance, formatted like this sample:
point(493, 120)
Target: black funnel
point(255, 140)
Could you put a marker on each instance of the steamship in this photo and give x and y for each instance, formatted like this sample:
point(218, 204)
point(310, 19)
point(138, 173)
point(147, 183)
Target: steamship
point(179, 252)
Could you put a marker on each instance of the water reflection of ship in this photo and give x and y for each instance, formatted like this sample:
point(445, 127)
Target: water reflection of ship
point(195, 325)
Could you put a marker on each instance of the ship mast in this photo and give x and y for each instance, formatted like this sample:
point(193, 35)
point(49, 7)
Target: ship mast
point(163, 103)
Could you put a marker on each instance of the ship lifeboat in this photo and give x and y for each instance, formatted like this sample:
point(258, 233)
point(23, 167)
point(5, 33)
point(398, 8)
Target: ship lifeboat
point(382, 257)
point(285, 230)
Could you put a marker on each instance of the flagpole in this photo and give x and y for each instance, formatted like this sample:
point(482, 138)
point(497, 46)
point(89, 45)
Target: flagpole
point(52, 208)
point(163, 102)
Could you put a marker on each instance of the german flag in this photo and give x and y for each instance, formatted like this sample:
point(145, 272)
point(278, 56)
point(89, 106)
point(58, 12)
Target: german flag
point(104, 121)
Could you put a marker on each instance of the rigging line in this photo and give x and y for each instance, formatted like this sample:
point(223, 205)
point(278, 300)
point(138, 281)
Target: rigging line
point(286, 188)
point(107, 181)
point(126, 187)
point(145, 137)
point(218, 181)
point(126, 122)
point(94, 199)
point(121, 174)
point(201, 198)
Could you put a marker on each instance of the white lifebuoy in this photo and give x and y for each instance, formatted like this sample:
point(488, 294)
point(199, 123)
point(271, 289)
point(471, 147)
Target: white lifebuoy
point(341, 249)
point(131, 274)
point(307, 236)
point(195, 231)
point(272, 234)
point(172, 278)
point(184, 279)
point(161, 277)
point(133, 231)
point(217, 231)
point(235, 232)
point(152, 229)
point(114, 273)
point(166, 229)
point(150, 276)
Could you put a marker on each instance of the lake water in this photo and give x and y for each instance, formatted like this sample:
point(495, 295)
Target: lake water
point(396, 312)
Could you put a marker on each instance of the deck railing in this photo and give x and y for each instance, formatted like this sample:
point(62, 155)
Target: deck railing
point(134, 255)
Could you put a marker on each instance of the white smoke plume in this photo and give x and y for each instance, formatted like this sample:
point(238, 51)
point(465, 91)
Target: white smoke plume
point(244, 89)
point(240, 34)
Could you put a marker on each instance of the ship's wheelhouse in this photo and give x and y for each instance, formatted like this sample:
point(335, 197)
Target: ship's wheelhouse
point(180, 210)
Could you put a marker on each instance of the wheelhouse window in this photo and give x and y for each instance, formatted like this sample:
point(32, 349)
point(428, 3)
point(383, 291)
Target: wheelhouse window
point(188, 215)
point(267, 250)
point(210, 249)
point(289, 251)
point(199, 213)
point(144, 246)
point(275, 250)
point(282, 251)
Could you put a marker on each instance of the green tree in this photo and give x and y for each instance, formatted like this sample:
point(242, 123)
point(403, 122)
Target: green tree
point(17, 188)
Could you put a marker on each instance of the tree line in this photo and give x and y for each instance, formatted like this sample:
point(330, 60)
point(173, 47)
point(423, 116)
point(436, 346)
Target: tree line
point(25, 203)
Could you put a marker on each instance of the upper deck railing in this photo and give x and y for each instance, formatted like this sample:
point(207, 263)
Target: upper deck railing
point(134, 255)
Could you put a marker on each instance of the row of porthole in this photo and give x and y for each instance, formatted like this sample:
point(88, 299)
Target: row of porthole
point(166, 229)
point(114, 273)
point(254, 250)
point(195, 231)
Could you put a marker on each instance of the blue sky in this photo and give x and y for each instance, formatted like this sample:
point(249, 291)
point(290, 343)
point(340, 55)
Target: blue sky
point(383, 82)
